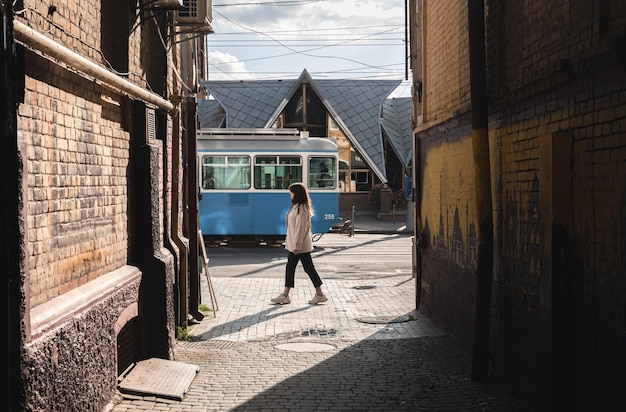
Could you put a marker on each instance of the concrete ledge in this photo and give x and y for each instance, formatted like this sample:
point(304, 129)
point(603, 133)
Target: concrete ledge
point(55, 312)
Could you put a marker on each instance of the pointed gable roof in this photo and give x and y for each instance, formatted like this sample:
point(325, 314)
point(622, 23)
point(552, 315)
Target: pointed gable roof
point(396, 122)
point(355, 105)
point(247, 104)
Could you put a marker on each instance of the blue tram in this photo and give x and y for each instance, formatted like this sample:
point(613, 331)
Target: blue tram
point(244, 176)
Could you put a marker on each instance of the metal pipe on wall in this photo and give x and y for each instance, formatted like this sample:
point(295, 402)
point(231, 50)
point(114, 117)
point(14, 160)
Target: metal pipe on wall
point(31, 38)
point(192, 207)
point(190, 176)
point(183, 270)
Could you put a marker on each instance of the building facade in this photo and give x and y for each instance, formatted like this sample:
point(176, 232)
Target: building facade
point(535, 283)
point(371, 129)
point(97, 279)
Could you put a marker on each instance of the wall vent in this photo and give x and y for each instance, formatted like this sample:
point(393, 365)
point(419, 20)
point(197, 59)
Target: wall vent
point(151, 133)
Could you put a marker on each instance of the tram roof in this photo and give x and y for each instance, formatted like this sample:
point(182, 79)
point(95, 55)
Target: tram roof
point(261, 140)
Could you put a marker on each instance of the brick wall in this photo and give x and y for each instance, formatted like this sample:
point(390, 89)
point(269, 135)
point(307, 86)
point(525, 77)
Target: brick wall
point(446, 89)
point(557, 130)
point(96, 188)
point(448, 216)
point(447, 209)
point(76, 165)
point(592, 287)
point(567, 76)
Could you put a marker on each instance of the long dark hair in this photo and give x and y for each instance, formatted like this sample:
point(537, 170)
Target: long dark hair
point(300, 197)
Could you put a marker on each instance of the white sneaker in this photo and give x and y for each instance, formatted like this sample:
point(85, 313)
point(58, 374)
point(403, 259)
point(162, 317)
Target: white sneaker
point(318, 299)
point(281, 299)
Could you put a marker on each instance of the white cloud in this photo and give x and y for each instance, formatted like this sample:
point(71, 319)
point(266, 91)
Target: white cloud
point(334, 38)
point(224, 63)
point(315, 15)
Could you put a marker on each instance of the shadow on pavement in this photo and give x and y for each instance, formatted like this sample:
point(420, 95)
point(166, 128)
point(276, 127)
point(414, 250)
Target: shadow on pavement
point(416, 374)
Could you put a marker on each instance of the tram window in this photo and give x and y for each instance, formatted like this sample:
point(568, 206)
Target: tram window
point(225, 172)
point(322, 172)
point(276, 172)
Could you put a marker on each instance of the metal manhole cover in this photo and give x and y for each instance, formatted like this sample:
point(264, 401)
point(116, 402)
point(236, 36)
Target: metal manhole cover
point(387, 319)
point(305, 347)
point(365, 287)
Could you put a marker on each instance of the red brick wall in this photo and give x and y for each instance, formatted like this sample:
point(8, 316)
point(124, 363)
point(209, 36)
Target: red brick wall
point(446, 89)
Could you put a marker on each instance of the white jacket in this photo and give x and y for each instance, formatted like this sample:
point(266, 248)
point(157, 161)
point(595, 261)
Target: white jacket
point(299, 237)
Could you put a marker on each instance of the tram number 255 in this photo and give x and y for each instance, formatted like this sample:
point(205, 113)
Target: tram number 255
point(329, 216)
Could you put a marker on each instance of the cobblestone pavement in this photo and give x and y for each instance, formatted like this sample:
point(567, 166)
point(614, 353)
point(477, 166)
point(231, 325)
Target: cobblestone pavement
point(365, 349)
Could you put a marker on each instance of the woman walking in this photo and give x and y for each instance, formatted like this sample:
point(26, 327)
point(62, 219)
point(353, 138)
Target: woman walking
point(299, 243)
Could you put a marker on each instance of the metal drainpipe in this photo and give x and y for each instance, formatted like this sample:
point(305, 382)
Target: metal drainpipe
point(419, 241)
point(183, 272)
point(480, 149)
point(192, 200)
point(418, 244)
point(31, 38)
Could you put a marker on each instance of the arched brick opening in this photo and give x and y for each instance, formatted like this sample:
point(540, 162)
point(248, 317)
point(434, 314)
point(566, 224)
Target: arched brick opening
point(128, 336)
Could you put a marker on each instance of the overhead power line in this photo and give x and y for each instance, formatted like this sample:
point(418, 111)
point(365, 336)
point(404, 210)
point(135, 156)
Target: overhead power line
point(300, 31)
point(302, 52)
point(226, 45)
point(381, 39)
point(270, 3)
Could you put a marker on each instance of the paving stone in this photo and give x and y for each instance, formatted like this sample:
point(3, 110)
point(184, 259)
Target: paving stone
point(407, 366)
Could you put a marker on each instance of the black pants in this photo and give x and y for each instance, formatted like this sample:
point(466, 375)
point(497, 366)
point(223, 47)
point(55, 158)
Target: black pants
point(307, 264)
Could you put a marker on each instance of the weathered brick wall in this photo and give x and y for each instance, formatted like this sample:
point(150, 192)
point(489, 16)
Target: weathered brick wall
point(84, 196)
point(595, 280)
point(76, 161)
point(76, 164)
point(448, 216)
point(446, 88)
point(557, 129)
point(567, 76)
point(447, 208)
point(76, 25)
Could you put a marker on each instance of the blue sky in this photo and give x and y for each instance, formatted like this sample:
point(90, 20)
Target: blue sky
point(278, 39)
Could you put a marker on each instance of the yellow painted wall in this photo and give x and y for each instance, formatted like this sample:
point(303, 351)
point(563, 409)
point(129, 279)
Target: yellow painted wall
point(448, 199)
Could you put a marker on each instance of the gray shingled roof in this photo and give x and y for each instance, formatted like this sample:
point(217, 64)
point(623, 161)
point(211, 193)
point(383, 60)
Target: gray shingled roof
point(356, 106)
point(248, 104)
point(396, 124)
point(210, 115)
